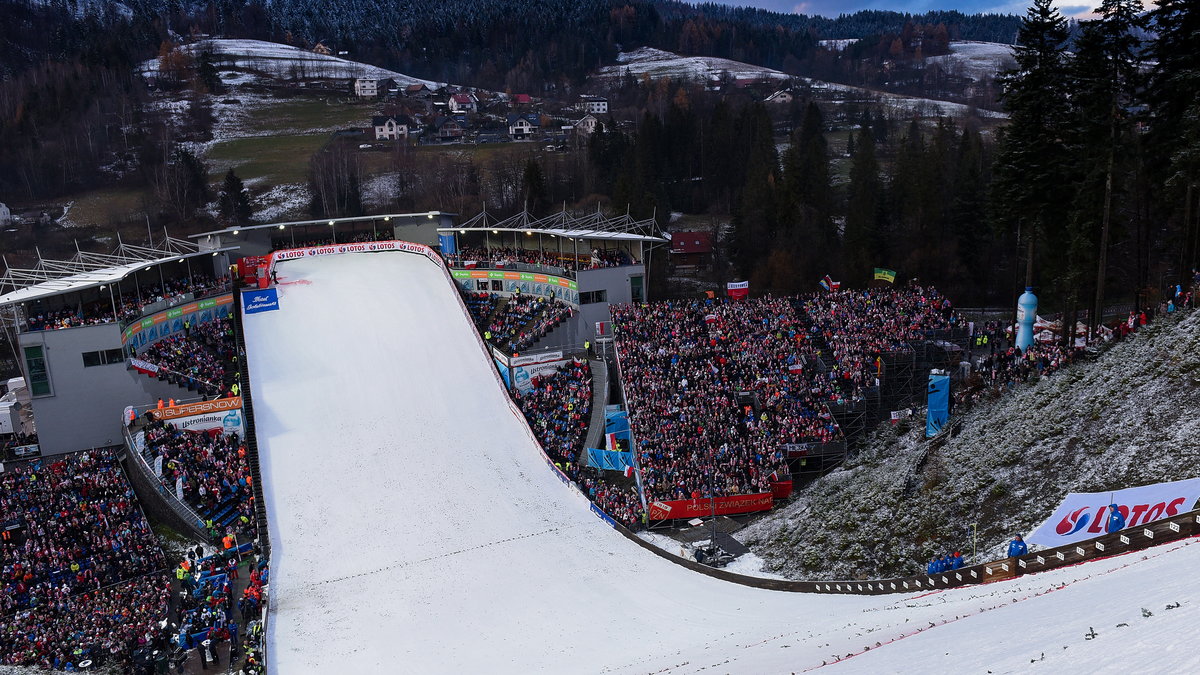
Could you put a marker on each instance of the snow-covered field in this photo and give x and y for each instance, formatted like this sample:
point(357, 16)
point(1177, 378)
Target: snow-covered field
point(975, 59)
point(286, 62)
point(655, 64)
point(416, 528)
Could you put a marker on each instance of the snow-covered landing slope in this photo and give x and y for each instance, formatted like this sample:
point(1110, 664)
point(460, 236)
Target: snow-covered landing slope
point(416, 528)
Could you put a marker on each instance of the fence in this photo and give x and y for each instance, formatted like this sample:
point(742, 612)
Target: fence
point(189, 518)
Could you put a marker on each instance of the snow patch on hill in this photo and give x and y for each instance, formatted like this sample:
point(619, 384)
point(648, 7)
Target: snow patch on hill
point(656, 64)
point(1127, 419)
point(975, 60)
point(284, 62)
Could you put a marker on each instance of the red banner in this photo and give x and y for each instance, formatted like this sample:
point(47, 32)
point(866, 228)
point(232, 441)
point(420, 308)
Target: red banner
point(737, 290)
point(781, 490)
point(698, 508)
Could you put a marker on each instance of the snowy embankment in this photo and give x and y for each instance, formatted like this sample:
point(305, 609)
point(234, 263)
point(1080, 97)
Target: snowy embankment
point(975, 60)
point(655, 64)
point(1130, 418)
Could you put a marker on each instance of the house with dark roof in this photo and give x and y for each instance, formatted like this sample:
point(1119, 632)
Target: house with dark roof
point(391, 127)
point(522, 126)
point(417, 90)
point(448, 129)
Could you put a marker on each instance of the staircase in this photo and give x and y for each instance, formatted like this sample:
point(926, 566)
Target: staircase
point(260, 507)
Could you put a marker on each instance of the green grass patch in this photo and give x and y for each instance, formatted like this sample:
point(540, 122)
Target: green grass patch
point(279, 159)
point(292, 115)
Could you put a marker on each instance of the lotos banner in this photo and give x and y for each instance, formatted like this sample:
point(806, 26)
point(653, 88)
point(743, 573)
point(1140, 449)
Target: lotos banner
point(360, 247)
point(1083, 515)
point(700, 508)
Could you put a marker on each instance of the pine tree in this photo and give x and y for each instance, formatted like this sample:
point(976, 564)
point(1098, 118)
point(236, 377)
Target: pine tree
point(1033, 164)
point(806, 223)
point(1174, 97)
point(860, 242)
point(234, 202)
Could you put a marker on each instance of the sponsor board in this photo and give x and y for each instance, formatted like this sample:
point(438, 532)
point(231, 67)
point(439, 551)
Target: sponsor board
point(260, 300)
point(522, 376)
point(364, 247)
point(699, 508)
point(1083, 515)
point(515, 276)
point(228, 422)
point(171, 320)
point(198, 408)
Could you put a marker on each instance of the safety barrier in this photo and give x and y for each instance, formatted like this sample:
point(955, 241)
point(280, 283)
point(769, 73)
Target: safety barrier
point(187, 517)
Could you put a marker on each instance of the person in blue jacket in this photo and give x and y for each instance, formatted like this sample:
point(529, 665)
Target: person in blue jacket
point(956, 561)
point(931, 568)
point(1017, 547)
point(1116, 521)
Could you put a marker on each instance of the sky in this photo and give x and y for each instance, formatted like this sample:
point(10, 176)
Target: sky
point(832, 8)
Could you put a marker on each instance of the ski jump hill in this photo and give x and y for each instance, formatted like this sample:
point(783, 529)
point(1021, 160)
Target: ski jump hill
point(417, 528)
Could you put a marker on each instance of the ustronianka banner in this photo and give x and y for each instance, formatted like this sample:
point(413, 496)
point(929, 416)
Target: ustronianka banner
point(1083, 515)
point(222, 413)
point(698, 508)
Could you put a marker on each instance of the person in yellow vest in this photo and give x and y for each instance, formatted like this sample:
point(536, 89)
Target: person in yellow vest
point(587, 347)
point(235, 389)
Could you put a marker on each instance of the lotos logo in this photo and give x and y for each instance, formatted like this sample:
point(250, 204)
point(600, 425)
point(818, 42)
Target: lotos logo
point(1072, 522)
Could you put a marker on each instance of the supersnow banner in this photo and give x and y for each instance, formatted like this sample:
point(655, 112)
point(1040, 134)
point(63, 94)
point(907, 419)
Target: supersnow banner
point(222, 413)
point(698, 508)
point(938, 400)
point(1083, 515)
point(737, 289)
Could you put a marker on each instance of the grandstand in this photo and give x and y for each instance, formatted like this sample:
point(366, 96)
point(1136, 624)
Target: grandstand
point(78, 322)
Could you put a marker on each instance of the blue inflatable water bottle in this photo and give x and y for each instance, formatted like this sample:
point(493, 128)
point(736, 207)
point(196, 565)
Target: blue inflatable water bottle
point(1026, 315)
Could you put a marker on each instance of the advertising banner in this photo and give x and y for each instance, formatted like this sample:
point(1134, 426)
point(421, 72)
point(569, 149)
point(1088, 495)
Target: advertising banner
point(699, 508)
point(260, 300)
point(514, 276)
point(939, 404)
point(363, 247)
point(171, 320)
point(737, 289)
point(223, 413)
point(1083, 515)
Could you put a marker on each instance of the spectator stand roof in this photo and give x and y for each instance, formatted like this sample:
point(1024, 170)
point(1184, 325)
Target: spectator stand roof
point(86, 270)
point(593, 226)
point(384, 217)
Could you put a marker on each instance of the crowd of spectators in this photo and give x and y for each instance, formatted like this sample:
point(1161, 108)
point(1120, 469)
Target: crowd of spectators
point(70, 525)
point(197, 359)
point(130, 306)
point(113, 628)
point(481, 306)
point(502, 255)
point(523, 320)
point(684, 364)
point(558, 407)
point(859, 326)
point(215, 473)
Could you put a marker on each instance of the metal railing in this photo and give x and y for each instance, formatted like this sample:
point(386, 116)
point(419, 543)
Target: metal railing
point(182, 510)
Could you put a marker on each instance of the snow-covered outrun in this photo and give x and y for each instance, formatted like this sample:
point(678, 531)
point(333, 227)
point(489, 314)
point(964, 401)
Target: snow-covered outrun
point(417, 529)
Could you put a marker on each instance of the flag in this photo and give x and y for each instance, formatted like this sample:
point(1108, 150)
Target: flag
point(628, 471)
point(885, 275)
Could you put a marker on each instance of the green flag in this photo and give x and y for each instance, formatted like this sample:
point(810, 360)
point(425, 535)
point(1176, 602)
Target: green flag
point(887, 275)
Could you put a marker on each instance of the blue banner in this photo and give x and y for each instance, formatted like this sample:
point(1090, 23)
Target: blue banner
point(447, 244)
point(608, 460)
point(260, 300)
point(938, 400)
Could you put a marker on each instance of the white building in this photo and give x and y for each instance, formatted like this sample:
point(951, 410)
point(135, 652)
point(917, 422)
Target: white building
point(594, 105)
point(367, 87)
point(461, 103)
point(389, 128)
point(586, 126)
